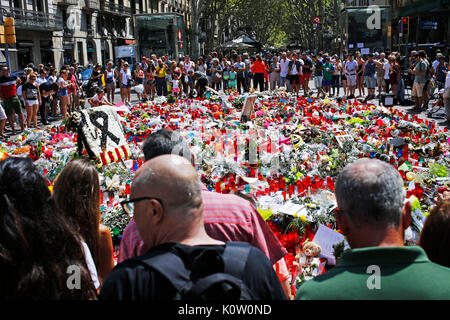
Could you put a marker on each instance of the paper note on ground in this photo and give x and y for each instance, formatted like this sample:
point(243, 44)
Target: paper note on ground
point(326, 238)
point(291, 208)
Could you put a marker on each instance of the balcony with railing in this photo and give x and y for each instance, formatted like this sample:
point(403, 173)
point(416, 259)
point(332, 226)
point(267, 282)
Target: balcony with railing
point(34, 20)
point(114, 8)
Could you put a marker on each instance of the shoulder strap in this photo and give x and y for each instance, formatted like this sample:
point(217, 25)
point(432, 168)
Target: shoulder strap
point(235, 258)
point(168, 265)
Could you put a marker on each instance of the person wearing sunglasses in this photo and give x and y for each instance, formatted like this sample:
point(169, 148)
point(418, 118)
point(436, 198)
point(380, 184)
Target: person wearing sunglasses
point(373, 216)
point(227, 217)
point(32, 98)
point(167, 205)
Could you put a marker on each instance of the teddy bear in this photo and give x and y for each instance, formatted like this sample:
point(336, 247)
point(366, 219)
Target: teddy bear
point(310, 251)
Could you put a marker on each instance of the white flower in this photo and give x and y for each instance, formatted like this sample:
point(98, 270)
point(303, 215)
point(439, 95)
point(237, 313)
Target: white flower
point(112, 184)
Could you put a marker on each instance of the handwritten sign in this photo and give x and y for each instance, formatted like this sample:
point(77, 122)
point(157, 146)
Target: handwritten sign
point(326, 238)
point(291, 208)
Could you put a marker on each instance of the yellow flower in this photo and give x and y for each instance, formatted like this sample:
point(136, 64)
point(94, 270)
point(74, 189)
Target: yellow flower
point(303, 218)
point(295, 215)
point(50, 188)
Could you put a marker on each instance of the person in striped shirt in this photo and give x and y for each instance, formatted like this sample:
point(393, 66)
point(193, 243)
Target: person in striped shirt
point(227, 217)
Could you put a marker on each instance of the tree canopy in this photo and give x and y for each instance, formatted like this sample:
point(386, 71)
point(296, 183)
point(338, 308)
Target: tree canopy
point(275, 23)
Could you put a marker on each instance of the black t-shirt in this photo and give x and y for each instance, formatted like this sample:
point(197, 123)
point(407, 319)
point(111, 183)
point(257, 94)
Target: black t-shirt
point(44, 87)
point(132, 281)
point(31, 91)
point(307, 65)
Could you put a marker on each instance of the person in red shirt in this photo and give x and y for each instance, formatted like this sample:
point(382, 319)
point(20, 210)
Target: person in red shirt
point(8, 93)
point(258, 69)
point(74, 91)
point(227, 217)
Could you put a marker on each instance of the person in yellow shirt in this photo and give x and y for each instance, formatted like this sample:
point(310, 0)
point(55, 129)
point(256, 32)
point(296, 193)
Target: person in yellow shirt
point(161, 86)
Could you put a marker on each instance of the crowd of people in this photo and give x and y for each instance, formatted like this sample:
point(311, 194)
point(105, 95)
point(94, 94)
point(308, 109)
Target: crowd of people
point(184, 241)
point(40, 89)
point(45, 90)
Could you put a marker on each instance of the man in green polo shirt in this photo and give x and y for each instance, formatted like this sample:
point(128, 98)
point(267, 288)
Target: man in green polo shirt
point(373, 217)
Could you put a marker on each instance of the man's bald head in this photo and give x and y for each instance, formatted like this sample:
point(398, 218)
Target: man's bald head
point(172, 179)
point(371, 192)
point(170, 208)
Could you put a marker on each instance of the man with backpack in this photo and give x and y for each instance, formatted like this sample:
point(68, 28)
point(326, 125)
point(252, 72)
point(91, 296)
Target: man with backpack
point(184, 262)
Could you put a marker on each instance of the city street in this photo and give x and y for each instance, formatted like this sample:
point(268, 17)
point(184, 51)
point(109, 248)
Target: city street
point(220, 194)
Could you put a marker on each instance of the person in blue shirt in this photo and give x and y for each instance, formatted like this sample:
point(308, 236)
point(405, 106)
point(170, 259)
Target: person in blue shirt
point(370, 77)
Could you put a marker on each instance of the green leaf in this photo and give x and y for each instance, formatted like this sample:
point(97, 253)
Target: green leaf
point(438, 170)
point(266, 214)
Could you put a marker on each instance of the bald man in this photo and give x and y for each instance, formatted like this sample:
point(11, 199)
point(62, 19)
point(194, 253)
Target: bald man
point(373, 216)
point(166, 200)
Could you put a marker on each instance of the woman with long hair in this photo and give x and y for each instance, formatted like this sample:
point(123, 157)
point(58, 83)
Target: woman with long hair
point(40, 256)
point(139, 77)
point(110, 79)
point(150, 81)
point(32, 98)
point(216, 74)
point(63, 92)
point(394, 73)
point(77, 196)
point(126, 82)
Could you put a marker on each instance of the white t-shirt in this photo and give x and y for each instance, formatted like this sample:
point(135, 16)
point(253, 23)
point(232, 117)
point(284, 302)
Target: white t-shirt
point(189, 66)
point(435, 65)
point(90, 264)
point(386, 68)
point(52, 79)
point(60, 82)
point(174, 84)
point(284, 66)
point(294, 70)
point(40, 81)
point(336, 70)
point(96, 99)
point(202, 68)
point(19, 93)
point(125, 76)
point(2, 113)
point(351, 66)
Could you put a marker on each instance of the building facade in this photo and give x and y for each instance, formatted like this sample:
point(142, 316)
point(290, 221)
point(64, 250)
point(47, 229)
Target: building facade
point(365, 25)
point(36, 23)
point(84, 31)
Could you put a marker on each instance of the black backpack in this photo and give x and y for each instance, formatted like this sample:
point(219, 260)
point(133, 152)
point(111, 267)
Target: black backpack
point(199, 283)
